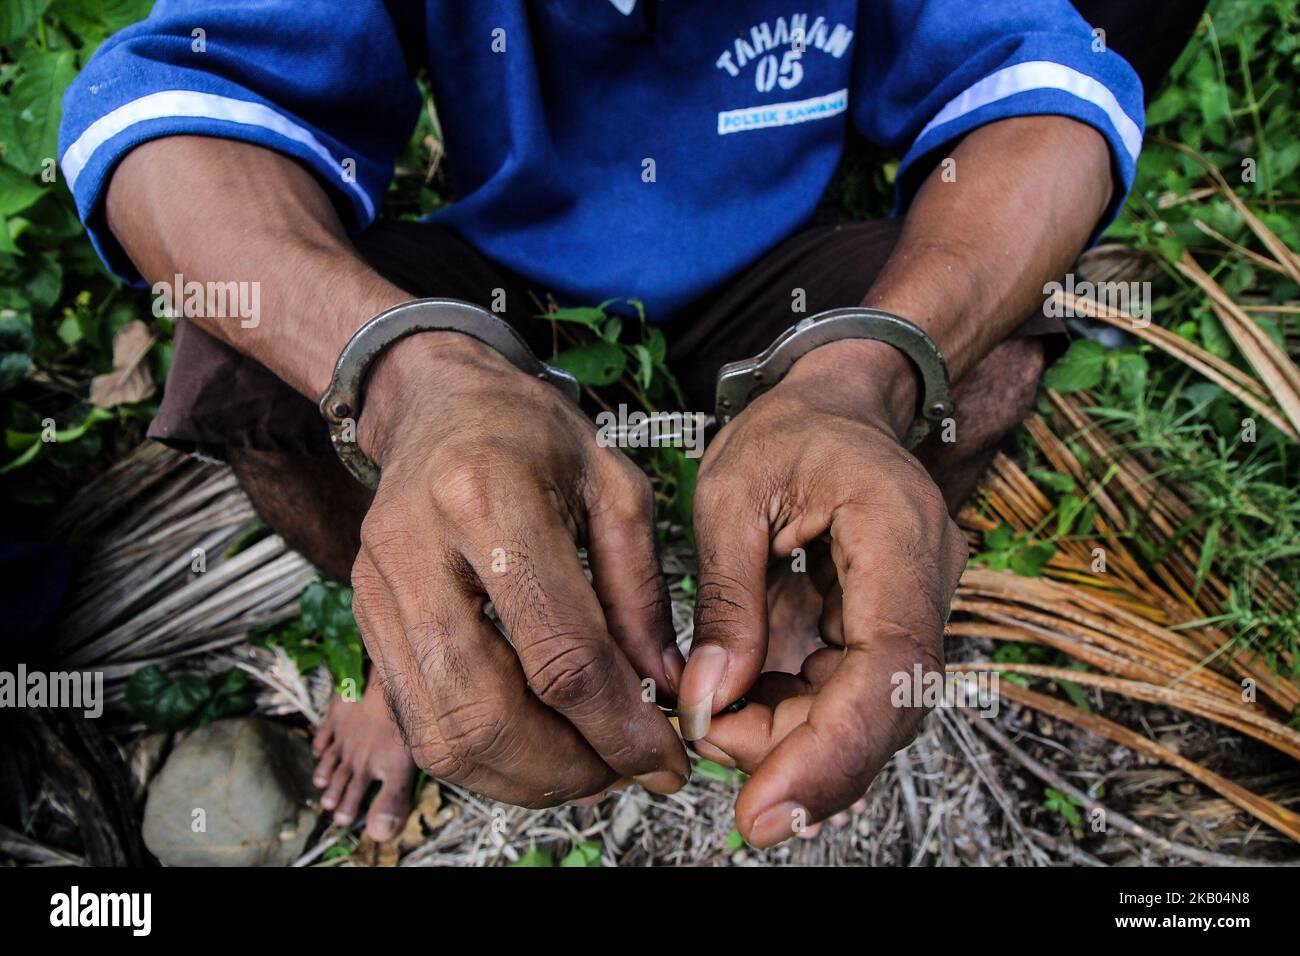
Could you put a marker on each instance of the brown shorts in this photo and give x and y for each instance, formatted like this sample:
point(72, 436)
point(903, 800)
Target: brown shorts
point(217, 398)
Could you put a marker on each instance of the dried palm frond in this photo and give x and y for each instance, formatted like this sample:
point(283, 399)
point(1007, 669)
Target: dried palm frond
point(165, 575)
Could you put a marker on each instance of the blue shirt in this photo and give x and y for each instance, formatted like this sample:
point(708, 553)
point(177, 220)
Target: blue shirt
point(596, 150)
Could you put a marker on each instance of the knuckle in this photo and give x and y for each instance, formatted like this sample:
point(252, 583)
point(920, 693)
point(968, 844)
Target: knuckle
point(711, 491)
point(470, 492)
point(630, 496)
point(476, 732)
point(578, 673)
point(383, 533)
point(438, 762)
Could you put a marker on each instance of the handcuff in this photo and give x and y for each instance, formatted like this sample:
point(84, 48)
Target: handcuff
point(341, 404)
point(739, 383)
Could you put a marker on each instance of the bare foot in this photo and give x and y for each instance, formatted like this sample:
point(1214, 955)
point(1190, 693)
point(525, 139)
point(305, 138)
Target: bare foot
point(357, 744)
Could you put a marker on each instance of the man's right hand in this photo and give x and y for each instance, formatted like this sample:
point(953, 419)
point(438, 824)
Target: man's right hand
point(490, 481)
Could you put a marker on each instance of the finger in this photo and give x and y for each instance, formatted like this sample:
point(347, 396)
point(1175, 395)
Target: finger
point(831, 625)
point(388, 811)
point(569, 658)
point(398, 677)
point(730, 644)
point(775, 706)
point(627, 577)
point(454, 685)
point(897, 581)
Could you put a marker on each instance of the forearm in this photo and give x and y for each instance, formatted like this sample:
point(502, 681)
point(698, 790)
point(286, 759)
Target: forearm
point(216, 210)
point(975, 252)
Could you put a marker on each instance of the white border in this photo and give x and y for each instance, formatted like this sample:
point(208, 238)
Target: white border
point(1041, 75)
point(191, 104)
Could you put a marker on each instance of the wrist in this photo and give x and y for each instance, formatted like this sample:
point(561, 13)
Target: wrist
point(415, 370)
point(861, 378)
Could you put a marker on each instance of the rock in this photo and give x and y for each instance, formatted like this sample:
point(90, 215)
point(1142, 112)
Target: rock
point(232, 793)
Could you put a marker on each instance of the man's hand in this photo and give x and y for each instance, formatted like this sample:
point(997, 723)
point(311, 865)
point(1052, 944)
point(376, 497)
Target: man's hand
point(490, 480)
point(817, 459)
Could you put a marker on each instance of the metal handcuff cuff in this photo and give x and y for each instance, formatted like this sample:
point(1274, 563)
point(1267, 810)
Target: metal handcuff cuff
point(739, 383)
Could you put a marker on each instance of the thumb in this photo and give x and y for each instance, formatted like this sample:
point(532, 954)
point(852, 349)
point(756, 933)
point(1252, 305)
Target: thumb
point(730, 643)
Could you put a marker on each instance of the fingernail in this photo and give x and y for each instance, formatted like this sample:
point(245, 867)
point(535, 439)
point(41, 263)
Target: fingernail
point(700, 679)
point(385, 826)
point(776, 824)
point(661, 781)
point(328, 803)
point(673, 665)
point(320, 780)
point(342, 819)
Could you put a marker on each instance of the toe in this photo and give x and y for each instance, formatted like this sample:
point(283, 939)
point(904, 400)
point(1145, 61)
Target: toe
point(350, 804)
point(324, 772)
point(390, 808)
point(340, 778)
point(324, 734)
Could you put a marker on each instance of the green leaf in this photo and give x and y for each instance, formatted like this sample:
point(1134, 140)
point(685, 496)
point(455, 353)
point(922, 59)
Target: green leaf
point(596, 363)
point(8, 232)
point(1030, 560)
point(1128, 370)
point(1051, 479)
point(586, 853)
point(645, 365)
point(734, 840)
point(166, 703)
point(1079, 368)
point(16, 344)
point(535, 857)
point(1167, 106)
point(1066, 512)
point(588, 316)
point(69, 331)
point(1064, 805)
point(19, 16)
point(611, 329)
point(1000, 538)
point(1213, 336)
point(17, 191)
point(29, 126)
point(95, 20)
point(656, 343)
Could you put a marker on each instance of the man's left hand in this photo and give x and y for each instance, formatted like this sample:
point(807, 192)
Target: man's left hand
point(817, 459)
